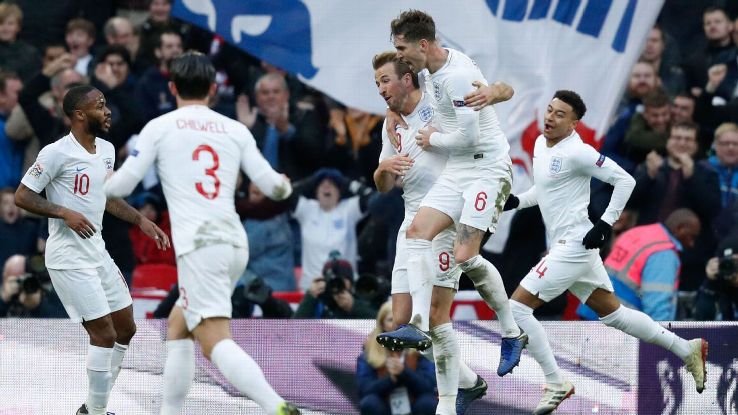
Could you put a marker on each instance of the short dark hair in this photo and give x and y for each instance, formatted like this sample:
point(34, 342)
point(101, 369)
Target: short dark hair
point(119, 50)
point(401, 66)
point(81, 24)
point(75, 98)
point(414, 25)
point(574, 100)
point(713, 9)
point(5, 76)
point(166, 32)
point(658, 98)
point(192, 74)
point(687, 125)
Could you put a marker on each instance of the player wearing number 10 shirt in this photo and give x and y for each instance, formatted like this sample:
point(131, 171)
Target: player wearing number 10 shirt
point(198, 154)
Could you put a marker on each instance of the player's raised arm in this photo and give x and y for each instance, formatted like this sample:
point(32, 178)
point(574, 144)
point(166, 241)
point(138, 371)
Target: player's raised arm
point(485, 95)
point(124, 180)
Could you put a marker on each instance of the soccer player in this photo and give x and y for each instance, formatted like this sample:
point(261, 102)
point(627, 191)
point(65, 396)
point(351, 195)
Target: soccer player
point(404, 160)
point(470, 192)
point(198, 154)
point(562, 168)
point(91, 287)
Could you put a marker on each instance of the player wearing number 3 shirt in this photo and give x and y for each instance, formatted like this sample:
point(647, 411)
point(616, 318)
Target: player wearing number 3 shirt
point(198, 154)
point(562, 168)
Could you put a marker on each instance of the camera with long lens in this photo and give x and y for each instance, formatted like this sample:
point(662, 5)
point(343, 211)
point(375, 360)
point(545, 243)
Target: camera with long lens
point(35, 277)
point(334, 279)
point(727, 267)
point(29, 283)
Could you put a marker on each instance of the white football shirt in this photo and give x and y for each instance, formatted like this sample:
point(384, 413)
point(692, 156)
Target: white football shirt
point(198, 154)
point(427, 165)
point(73, 178)
point(465, 132)
point(561, 176)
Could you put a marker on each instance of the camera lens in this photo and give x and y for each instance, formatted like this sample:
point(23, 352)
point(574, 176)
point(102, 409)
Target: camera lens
point(31, 285)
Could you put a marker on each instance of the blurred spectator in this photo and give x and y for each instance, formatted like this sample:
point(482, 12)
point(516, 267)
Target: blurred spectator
point(119, 31)
point(152, 90)
point(271, 246)
point(682, 108)
point(720, 50)
point(644, 265)
point(328, 223)
point(258, 292)
point(355, 140)
point(648, 131)
point(331, 294)
point(643, 80)
point(393, 382)
point(11, 152)
point(23, 293)
point(721, 285)
point(725, 163)
point(79, 37)
point(678, 181)
point(18, 235)
point(712, 110)
point(671, 74)
point(291, 139)
point(16, 55)
point(113, 78)
point(39, 118)
point(160, 21)
point(144, 248)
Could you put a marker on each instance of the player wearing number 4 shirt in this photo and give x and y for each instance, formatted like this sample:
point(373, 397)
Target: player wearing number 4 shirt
point(562, 168)
point(417, 170)
point(198, 154)
point(72, 170)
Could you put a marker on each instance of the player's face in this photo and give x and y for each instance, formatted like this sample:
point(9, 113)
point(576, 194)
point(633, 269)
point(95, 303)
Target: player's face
point(560, 120)
point(97, 113)
point(390, 86)
point(411, 52)
point(327, 194)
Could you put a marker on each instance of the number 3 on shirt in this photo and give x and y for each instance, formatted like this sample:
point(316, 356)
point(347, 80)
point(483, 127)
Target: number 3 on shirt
point(209, 171)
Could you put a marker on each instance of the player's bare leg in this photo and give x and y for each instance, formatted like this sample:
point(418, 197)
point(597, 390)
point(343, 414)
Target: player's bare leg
point(99, 353)
point(125, 329)
point(427, 223)
point(488, 282)
point(557, 388)
point(640, 325)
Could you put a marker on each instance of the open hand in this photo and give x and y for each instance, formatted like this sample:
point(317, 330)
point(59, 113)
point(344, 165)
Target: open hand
point(152, 231)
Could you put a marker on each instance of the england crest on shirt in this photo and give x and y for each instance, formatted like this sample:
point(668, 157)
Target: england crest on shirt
point(555, 165)
point(425, 113)
point(108, 163)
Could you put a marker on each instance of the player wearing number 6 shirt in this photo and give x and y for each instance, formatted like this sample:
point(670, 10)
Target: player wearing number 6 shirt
point(418, 170)
point(72, 170)
point(470, 193)
point(562, 168)
point(198, 154)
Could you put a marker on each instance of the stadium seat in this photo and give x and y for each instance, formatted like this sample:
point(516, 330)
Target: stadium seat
point(161, 276)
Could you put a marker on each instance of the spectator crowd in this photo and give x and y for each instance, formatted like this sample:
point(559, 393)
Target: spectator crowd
point(675, 130)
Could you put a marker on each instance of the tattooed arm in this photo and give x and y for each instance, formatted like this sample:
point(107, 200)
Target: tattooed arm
point(122, 210)
point(31, 201)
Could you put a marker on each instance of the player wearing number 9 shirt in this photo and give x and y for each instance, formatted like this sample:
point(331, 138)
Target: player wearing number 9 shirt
point(198, 154)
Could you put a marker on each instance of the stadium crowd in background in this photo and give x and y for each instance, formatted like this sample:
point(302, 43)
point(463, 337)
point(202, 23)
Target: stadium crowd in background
point(673, 131)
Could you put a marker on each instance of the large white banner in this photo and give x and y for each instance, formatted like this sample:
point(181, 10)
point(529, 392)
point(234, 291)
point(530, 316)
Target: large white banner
point(537, 46)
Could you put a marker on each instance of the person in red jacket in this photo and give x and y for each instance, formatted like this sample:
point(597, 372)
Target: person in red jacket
point(144, 248)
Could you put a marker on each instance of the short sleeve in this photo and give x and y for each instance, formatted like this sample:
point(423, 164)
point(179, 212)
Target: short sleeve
point(43, 171)
point(387, 149)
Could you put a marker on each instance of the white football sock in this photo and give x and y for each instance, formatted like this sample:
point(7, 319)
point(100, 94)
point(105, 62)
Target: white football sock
point(418, 275)
point(467, 377)
point(447, 367)
point(488, 282)
point(243, 373)
point(98, 375)
point(116, 361)
point(640, 325)
point(179, 372)
point(538, 345)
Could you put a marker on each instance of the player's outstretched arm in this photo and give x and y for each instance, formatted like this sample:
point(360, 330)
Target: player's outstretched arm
point(122, 210)
point(31, 201)
point(488, 94)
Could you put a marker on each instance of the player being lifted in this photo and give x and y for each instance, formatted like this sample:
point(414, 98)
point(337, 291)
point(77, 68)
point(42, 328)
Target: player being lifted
point(562, 168)
point(198, 154)
point(73, 170)
point(470, 192)
point(418, 169)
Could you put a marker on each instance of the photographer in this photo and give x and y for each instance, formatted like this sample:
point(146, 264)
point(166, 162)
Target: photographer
point(331, 294)
point(721, 285)
point(23, 294)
